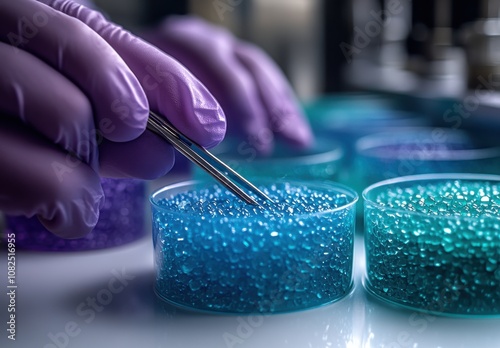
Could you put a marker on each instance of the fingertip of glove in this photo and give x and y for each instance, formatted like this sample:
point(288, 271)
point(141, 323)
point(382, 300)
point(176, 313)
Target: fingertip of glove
point(262, 141)
point(78, 218)
point(147, 157)
point(302, 137)
point(213, 122)
point(290, 123)
point(127, 120)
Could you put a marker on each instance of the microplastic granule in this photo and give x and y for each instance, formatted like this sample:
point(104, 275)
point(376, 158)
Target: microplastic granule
point(434, 245)
point(214, 252)
point(121, 220)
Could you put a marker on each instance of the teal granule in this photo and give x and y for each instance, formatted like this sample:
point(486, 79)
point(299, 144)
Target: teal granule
point(214, 252)
point(436, 246)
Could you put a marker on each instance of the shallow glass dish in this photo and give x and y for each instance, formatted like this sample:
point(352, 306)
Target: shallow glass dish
point(121, 221)
point(432, 243)
point(422, 150)
point(322, 161)
point(347, 117)
point(215, 253)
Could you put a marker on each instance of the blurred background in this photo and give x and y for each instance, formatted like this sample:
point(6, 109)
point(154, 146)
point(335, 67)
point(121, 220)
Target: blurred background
point(330, 46)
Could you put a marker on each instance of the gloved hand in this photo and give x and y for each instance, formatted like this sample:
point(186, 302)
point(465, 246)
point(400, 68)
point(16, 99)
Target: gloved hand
point(256, 97)
point(75, 91)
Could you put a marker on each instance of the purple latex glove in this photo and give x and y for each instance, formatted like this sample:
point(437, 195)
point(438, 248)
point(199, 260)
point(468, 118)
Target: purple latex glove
point(255, 95)
point(75, 91)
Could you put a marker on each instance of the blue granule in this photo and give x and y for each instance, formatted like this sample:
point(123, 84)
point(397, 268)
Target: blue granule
point(214, 252)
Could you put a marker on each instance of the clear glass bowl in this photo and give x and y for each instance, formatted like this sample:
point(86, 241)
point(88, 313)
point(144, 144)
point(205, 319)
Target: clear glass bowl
point(121, 221)
point(359, 117)
point(432, 243)
point(421, 150)
point(215, 253)
point(320, 162)
point(347, 117)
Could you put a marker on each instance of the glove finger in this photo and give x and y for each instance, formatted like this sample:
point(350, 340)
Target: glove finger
point(188, 41)
point(147, 157)
point(66, 121)
point(276, 95)
point(79, 53)
point(38, 178)
point(171, 89)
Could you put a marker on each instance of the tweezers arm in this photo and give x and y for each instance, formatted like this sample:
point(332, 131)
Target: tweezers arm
point(230, 172)
point(185, 146)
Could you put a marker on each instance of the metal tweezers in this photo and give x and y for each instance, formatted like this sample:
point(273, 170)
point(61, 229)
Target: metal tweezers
point(208, 162)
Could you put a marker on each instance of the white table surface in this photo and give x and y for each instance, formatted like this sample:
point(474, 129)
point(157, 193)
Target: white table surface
point(53, 289)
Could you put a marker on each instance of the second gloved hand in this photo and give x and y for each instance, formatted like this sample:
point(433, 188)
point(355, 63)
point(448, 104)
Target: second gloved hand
point(255, 95)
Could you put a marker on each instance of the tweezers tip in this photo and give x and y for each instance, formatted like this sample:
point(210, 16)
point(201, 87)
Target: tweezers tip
point(162, 127)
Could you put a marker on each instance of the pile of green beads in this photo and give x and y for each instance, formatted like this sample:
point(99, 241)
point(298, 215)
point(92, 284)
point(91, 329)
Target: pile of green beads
point(433, 243)
point(214, 252)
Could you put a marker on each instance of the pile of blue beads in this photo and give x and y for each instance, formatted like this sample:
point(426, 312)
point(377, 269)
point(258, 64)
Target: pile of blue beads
point(433, 243)
point(214, 252)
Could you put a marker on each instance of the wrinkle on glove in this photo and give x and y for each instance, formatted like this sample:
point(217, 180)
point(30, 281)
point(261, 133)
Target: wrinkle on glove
point(27, 83)
point(75, 50)
point(63, 193)
point(170, 88)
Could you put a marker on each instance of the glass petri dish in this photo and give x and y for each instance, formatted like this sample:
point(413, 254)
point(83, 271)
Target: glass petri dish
point(215, 253)
point(432, 243)
point(322, 161)
point(121, 221)
point(349, 117)
point(421, 150)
